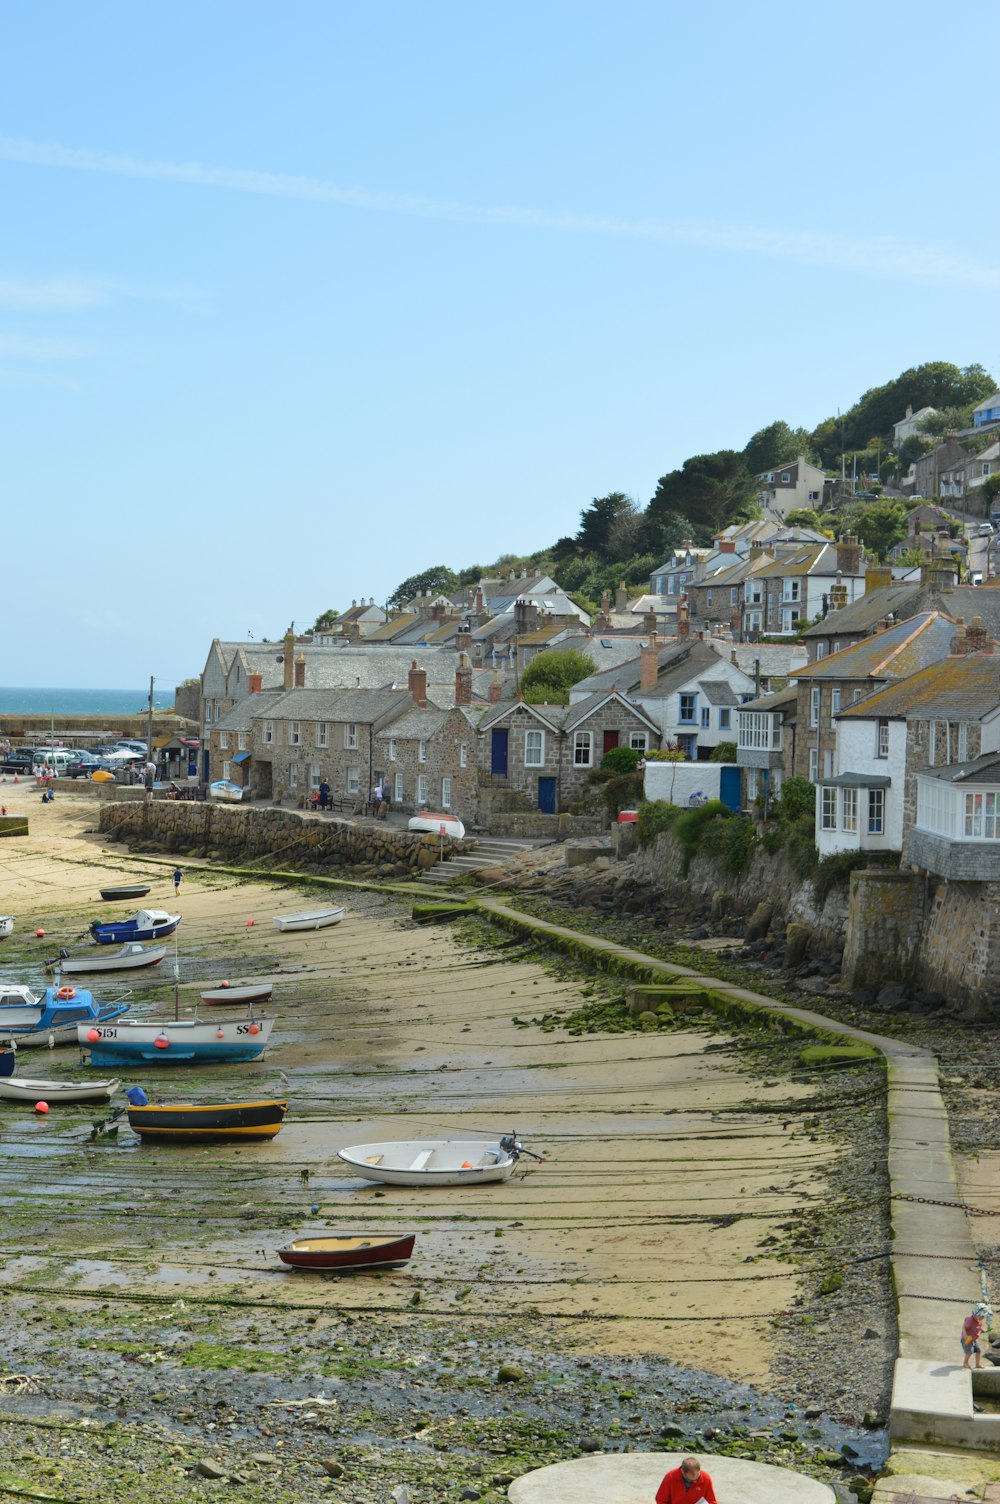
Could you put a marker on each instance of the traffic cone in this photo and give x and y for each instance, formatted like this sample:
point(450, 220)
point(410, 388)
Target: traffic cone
point(15, 777)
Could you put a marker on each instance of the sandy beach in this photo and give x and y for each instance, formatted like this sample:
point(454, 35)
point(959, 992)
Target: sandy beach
point(669, 1169)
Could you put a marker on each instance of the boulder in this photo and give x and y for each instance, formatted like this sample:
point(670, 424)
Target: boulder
point(760, 922)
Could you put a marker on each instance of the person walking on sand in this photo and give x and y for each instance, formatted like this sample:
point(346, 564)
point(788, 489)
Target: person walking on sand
point(972, 1329)
point(686, 1484)
point(178, 874)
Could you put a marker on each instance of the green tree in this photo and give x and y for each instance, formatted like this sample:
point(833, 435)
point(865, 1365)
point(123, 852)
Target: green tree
point(324, 621)
point(709, 490)
point(775, 445)
point(881, 526)
point(991, 488)
point(804, 517)
point(599, 519)
point(912, 448)
point(937, 383)
point(437, 580)
point(550, 677)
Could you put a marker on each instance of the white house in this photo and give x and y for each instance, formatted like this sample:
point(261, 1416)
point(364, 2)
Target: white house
point(860, 808)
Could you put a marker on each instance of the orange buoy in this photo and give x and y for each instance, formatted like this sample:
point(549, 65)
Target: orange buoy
point(162, 1042)
point(254, 1029)
point(249, 924)
point(41, 1106)
point(93, 1035)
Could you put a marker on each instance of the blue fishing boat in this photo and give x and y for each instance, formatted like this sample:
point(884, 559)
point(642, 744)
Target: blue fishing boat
point(51, 1016)
point(177, 1041)
point(8, 1060)
point(147, 924)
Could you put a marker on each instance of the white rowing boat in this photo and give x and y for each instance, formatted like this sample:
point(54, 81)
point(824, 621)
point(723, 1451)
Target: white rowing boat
point(309, 919)
point(437, 825)
point(252, 992)
point(130, 957)
point(424, 1161)
point(24, 1089)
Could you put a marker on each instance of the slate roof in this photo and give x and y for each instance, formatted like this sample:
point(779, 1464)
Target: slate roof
point(393, 627)
point(718, 691)
point(684, 658)
point(242, 715)
point(984, 769)
point(965, 688)
point(353, 705)
point(777, 659)
point(893, 654)
point(908, 600)
point(815, 558)
point(785, 701)
point(419, 724)
point(564, 717)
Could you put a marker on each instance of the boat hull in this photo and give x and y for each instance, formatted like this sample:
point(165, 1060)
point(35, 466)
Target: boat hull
point(122, 894)
point(230, 995)
point(6, 925)
point(24, 1089)
point(317, 919)
point(49, 1020)
point(130, 958)
point(139, 1043)
point(349, 1253)
point(432, 825)
point(431, 1162)
point(8, 1060)
point(185, 1123)
point(128, 929)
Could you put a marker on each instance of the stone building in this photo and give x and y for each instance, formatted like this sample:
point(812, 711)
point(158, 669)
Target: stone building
point(428, 757)
point(834, 683)
point(547, 752)
point(308, 736)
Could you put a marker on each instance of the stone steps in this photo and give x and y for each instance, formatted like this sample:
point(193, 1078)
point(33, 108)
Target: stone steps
point(491, 851)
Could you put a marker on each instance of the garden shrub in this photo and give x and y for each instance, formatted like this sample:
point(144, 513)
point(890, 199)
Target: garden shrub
point(834, 872)
point(724, 752)
point(621, 759)
point(655, 816)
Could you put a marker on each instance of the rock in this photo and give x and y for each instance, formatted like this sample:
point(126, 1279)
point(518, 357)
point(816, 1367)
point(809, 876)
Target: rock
point(209, 1469)
point(760, 922)
point(400, 1494)
point(238, 1478)
point(797, 937)
point(813, 1412)
point(470, 1493)
point(264, 1459)
point(591, 1444)
point(870, 1333)
point(720, 905)
point(671, 1428)
point(332, 1467)
point(870, 1419)
point(815, 986)
point(509, 1373)
point(892, 998)
point(502, 1480)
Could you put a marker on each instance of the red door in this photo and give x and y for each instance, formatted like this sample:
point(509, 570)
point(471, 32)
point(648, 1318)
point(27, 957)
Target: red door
point(610, 740)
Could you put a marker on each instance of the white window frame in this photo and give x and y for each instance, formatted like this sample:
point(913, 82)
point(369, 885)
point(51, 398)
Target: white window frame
point(828, 808)
point(354, 780)
point(226, 770)
point(814, 705)
point(534, 748)
point(351, 736)
point(446, 793)
point(849, 811)
point(295, 733)
point(463, 755)
point(224, 743)
point(293, 775)
point(315, 775)
point(397, 793)
point(241, 741)
point(706, 717)
point(638, 741)
point(322, 733)
point(813, 764)
point(932, 744)
point(268, 731)
point(876, 812)
point(583, 749)
point(882, 738)
point(392, 749)
point(421, 788)
point(834, 704)
point(963, 741)
point(422, 751)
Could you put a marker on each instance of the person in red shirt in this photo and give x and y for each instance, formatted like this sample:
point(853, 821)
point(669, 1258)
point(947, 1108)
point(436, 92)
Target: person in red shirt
point(686, 1484)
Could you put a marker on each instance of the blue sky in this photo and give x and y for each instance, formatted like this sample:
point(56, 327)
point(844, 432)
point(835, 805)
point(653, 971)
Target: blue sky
point(297, 301)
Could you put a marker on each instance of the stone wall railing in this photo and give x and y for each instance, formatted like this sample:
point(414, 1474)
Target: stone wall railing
point(280, 836)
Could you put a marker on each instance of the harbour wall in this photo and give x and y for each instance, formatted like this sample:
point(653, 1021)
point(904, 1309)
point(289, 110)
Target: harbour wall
point(894, 927)
point(278, 836)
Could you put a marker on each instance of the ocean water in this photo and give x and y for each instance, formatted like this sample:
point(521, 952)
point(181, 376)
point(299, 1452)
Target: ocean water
point(42, 702)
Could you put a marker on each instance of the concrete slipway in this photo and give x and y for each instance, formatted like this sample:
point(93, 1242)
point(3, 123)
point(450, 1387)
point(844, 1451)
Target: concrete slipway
point(935, 1271)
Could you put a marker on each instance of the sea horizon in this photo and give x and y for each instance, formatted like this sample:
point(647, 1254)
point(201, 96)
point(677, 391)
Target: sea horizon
point(54, 701)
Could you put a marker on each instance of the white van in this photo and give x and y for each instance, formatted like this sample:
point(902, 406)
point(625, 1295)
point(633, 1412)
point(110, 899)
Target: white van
point(58, 759)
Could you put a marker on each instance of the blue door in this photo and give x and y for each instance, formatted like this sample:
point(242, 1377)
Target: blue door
point(498, 752)
point(205, 768)
point(547, 796)
point(729, 787)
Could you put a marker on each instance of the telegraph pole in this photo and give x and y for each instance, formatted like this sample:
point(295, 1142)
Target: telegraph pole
point(149, 722)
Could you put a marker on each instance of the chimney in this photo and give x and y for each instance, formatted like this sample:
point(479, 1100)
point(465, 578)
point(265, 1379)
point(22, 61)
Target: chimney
point(838, 595)
point(849, 554)
point(909, 410)
point(463, 638)
point(601, 621)
point(649, 623)
point(649, 663)
point(727, 545)
point(463, 680)
point(255, 683)
point(621, 597)
point(974, 639)
point(289, 659)
point(938, 573)
point(417, 684)
point(525, 616)
point(300, 670)
point(493, 694)
point(877, 577)
point(683, 617)
point(478, 608)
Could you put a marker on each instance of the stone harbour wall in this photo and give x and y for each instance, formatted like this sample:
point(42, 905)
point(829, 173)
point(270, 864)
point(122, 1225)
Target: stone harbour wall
point(959, 952)
point(282, 836)
point(885, 915)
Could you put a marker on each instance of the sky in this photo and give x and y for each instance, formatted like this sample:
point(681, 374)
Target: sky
point(297, 301)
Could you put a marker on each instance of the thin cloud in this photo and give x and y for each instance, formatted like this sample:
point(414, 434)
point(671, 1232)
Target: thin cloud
point(879, 256)
point(29, 297)
point(30, 347)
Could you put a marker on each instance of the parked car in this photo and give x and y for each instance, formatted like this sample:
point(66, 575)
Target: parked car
point(984, 530)
point(128, 744)
point(82, 765)
point(19, 760)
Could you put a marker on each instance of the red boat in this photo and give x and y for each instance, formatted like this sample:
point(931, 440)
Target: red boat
point(359, 1251)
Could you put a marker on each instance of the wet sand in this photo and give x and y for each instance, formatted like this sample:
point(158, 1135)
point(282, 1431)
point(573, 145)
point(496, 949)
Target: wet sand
point(633, 1236)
